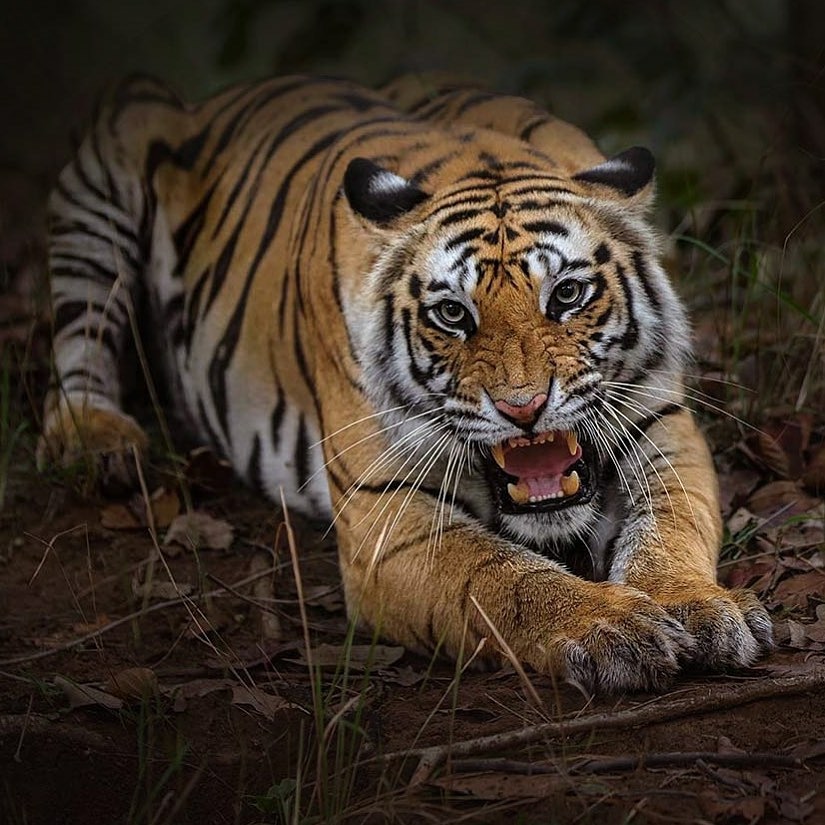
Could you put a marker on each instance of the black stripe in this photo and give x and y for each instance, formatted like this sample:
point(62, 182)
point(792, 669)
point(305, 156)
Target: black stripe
point(229, 341)
point(254, 475)
point(301, 453)
point(649, 420)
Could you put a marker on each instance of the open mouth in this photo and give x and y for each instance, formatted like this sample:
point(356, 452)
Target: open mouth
point(549, 471)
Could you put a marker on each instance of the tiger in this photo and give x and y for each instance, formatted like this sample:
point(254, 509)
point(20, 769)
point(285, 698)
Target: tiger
point(435, 317)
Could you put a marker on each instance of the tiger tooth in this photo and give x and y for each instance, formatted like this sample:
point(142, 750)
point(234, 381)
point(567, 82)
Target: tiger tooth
point(498, 454)
point(551, 436)
point(519, 494)
point(572, 442)
point(570, 484)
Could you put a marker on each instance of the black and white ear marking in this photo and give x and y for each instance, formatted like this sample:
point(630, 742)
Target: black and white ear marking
point(377, 194)
point(628, 172)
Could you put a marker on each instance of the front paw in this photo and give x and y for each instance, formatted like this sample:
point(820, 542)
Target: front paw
point(732, 629)
point(99, 441)
point(623, 641)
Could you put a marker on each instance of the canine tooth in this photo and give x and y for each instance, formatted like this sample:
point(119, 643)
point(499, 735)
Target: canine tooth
point(571, 484)
point(498, 454)
point(519, 494)
point(572, 442)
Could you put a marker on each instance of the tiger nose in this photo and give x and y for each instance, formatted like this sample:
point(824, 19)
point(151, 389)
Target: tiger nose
point(523, 413)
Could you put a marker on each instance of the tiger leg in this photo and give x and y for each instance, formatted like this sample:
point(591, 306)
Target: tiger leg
point(670, 544)
point(95, 262)
point(452, 586)
point(474, 588)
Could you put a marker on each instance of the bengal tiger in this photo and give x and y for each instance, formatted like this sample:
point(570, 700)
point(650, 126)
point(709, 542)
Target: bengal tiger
point(434, 316)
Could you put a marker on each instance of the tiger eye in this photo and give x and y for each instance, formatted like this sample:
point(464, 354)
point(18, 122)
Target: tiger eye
point(569, 292)
point(452, 313)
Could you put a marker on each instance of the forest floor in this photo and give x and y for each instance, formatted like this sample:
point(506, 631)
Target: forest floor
point(163, 664)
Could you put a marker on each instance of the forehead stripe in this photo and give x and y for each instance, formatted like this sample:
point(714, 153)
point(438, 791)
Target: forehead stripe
point(546, 228)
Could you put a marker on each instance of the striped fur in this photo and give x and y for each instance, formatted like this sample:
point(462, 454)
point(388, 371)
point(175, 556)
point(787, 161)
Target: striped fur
point(357, 295)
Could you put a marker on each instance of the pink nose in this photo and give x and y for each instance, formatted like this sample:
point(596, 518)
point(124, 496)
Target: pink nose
point(523, 413)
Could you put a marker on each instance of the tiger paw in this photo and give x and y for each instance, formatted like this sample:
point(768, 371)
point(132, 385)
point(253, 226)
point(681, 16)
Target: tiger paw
point(732, 629)
point(101, 442)
point(626, 643)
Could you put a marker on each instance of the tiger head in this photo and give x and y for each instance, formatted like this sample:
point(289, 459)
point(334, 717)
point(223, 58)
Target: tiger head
point(525, 314)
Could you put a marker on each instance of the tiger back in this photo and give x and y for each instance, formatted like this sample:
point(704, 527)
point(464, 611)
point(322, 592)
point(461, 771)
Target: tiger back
point(432, 315)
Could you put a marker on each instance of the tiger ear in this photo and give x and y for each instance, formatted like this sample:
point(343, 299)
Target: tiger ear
point(629, 174)
point(377, 194)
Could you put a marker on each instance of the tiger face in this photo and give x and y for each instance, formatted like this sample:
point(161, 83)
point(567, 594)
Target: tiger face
point(507, 311)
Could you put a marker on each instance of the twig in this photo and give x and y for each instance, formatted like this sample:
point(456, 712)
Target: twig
point(627, 762)
point(513, 659)
point(431, 758)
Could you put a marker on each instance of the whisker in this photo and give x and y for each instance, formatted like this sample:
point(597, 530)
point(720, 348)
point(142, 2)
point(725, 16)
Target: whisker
point(409, 443)
point(665, 459)
point(374, 434)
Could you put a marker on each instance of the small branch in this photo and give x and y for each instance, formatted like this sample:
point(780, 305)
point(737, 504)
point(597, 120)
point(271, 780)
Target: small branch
point(627, 762)
point(703, 701)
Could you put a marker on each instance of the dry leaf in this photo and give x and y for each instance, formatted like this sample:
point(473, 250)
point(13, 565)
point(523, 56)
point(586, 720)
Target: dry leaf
point(165, 506)
point(795, 591)
point(133, 683)
point(263, 591)
point(84, 695)
point(786, 497)
point(758, 575)
point(266, 704)
point(782, 443)
point(160, 590)
point(199, 531)
point(735, 486)
point(328, 597)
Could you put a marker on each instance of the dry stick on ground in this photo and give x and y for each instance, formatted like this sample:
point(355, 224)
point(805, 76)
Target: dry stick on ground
point(628, 762)
point(704, 701)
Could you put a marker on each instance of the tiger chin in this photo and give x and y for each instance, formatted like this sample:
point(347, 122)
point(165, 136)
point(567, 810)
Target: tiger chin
point(434, 315)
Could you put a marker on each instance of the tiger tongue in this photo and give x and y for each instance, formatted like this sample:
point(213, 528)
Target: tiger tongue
point(548, 460)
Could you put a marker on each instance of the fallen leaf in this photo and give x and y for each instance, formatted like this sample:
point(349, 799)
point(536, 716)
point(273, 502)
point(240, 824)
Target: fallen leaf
point(199, 531)
point(165, 506)
point(328, 597)
point(785, 497)
point(266, 704)
point(354, 657)
point(742, 520)
point(735, 487)
point(133, 683)
point(84, 695)
point(782, 443)
point(758, 574)
point(795, 591)
point(160, 590)
point(82, 628)
point(404, 676)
